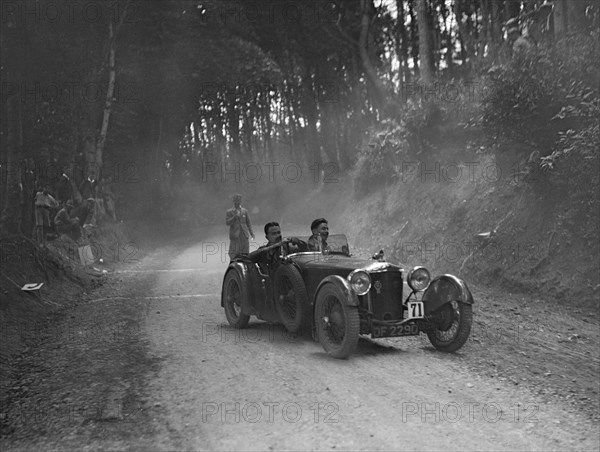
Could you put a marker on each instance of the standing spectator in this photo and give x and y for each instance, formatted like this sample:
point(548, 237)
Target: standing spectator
point(240, 228)
point(88, 188)
point(64, 190)
point(43, 203)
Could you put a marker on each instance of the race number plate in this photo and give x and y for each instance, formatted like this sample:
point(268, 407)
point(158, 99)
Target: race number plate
point(406, 329)
point(415, 310)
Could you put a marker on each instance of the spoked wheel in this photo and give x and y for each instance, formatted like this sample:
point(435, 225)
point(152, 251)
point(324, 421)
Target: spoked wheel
point(233, 294)
point(290, 297)
point(452, 325)
point(337, 323)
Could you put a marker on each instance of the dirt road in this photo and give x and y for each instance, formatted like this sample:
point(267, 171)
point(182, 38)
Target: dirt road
point(148, 362)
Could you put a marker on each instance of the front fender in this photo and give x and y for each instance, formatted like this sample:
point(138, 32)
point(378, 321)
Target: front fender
point(343, 285)
point(444, 289)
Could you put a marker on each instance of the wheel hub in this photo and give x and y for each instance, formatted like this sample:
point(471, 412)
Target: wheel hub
point(445, 318)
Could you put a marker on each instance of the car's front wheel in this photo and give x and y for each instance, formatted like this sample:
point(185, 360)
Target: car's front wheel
point(337, 323)
point(452, 325)
point(233, 294)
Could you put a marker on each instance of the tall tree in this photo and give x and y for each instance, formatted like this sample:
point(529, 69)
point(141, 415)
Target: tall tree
point(113, 33)
point(13, 36)
point(426, 65)
point(402, 43)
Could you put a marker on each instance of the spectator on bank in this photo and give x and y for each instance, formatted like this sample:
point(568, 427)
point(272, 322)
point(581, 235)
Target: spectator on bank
point(85, 212)
point(44, 201)
point(90, 221)
point(65, 224)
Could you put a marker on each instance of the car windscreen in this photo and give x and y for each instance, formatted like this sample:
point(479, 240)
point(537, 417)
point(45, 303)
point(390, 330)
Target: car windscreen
point(338, 243)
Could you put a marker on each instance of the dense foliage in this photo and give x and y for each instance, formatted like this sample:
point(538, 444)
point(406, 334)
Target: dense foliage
point(174, 86)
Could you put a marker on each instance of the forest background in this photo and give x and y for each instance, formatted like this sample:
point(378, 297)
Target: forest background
point(413, 122)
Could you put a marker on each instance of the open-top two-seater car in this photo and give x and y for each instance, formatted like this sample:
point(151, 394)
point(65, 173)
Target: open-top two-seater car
point(339, 297)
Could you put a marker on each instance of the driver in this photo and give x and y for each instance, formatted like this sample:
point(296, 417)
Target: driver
point(320, 232)
point(272, 257)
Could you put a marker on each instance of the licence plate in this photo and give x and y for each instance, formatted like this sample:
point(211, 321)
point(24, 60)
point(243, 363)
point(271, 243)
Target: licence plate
point(406, 329)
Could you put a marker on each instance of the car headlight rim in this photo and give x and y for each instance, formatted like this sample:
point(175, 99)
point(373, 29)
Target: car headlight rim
point(419, 279)
point(360, 281)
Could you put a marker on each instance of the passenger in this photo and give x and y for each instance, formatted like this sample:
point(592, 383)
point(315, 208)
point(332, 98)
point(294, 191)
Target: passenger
point(320, 232)
point(272, 257)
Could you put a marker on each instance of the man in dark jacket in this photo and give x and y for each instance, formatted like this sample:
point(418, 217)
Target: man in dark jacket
point(64, 188)
point(272, 257)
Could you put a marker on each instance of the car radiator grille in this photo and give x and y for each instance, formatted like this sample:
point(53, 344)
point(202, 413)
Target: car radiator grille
point(386, 295)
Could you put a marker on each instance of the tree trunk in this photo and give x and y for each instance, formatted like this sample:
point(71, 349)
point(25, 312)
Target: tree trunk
point(425, 43)
point(402, 47)
point(484, 37)
point(463, 34)
point(309, 108)
point(511, 9)
point(496, 28)
point(576, 15)
point(414, 34)
point(561, 14)
point(110, 92)
point(448, 44)
point(233, 121)
point(13, 37)
point(11, 215)
point(363, 48)
point(328, 132)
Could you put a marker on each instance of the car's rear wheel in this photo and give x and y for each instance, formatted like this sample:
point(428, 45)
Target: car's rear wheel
point(452, 326)
point(337, 323)
point(290, 297)
point(234, 293)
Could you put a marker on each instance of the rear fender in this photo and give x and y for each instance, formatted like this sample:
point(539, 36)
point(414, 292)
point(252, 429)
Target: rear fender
point(242, 270)
point(444, 289)
point(343, 285)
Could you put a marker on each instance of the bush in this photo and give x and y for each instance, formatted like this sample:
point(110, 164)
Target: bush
point(378, 161)
point(402, 137)
point(546, 97)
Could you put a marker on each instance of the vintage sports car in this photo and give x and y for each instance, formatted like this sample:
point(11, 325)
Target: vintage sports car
point(339, 297)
